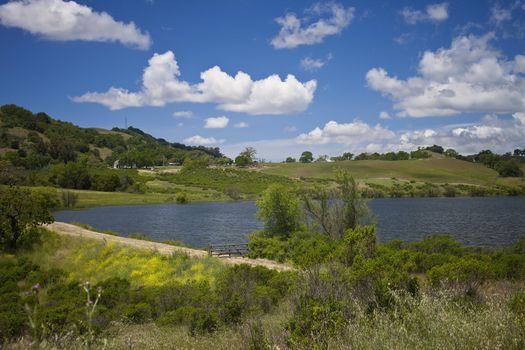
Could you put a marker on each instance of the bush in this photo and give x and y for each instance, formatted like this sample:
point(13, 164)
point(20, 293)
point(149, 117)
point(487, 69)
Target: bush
point(204, 322)
point(233, 192)
point(182, 198)
point(262, 246)
point(463, 276)
point(361, 241)
point(314, 322)
point(138, 313)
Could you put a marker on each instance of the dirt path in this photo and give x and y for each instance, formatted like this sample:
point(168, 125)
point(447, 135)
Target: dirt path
point(165, 249)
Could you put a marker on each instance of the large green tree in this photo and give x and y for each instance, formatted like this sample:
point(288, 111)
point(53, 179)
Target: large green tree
point(21, 210)
point(306, 157)
point(279, 209)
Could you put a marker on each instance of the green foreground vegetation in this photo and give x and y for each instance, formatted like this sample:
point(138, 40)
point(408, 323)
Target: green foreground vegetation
point(347, 290)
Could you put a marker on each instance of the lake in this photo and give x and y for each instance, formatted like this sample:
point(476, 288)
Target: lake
point(487, 221)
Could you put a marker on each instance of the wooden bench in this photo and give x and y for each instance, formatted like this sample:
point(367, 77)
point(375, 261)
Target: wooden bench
point(227, 249)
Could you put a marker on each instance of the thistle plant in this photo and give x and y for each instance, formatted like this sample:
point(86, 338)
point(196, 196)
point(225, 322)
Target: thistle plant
point(91, 306)
point(32, 313)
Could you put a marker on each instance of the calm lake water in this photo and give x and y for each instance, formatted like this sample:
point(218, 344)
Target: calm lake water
point(490, 221)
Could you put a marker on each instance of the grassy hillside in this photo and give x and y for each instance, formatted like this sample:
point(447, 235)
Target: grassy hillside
point(36, 140)
point(433, 170)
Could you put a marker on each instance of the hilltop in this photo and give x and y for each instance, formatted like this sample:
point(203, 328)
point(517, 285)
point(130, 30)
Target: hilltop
point(42, 140)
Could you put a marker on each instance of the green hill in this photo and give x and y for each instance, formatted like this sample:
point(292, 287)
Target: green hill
point(35, 140)
point(433, 170)
point(38, 150)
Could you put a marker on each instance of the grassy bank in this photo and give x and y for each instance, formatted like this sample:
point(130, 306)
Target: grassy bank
point(432, 170)
point(149, 301)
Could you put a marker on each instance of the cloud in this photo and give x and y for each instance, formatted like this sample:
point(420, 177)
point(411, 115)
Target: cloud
point(239, 93)
point(67, 20)
point(470, 76)
point(404, 38)
point(241, 125)
point(312, 64)
point(182, 114)
point(499, 14)
point(384, 115)
point(432, 13)
point(295, 31)
point(198, 140)
point(491, 132)
point(216, 123)
point(344, 133)
point(290, 128)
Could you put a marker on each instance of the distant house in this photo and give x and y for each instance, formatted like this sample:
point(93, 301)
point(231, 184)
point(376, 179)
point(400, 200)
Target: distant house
point(116, 164)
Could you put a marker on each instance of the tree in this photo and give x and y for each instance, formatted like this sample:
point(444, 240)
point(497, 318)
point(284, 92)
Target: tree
point(195, 163)
point(451, 153)
point(519, 152)
point(347, 156)
point(435, 148)
point(335, 211)
point(249, 152)
point(280, 212)
point(290, 160)
point(72, 175)
point(243, 160)
point(509, 168)
point(306, 157)
point(21, 210)
point(354, 207)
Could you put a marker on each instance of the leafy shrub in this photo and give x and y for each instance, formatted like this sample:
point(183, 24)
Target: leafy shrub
point(233, 192)
point(262, 246)
point(138, 313)
point(204, 322)
point(314, 322)
point(463, 276)
point(361, 241)
point(181, 198)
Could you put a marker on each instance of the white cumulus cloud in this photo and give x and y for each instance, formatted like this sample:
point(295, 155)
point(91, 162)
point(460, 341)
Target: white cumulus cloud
point(67, 20)
point(241, 125)
point(216, 123)
point(491, 132)
point(432, 13)
point(344, 133)
point(302, 31)
point(494, 133)
point(312, 64)
point(470, 76)
point(161, 84)
point(198, 140)
point(182, 114)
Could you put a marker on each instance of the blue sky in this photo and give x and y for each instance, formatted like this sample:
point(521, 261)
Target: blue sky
point(322, 76)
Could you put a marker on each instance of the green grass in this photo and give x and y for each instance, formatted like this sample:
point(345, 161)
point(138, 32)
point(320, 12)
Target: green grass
point(431, 170)
point(88, 198)
point(94, 261)
point(249, 183)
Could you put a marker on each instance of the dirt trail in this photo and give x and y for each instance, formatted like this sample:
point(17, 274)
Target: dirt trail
point(165, 249)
